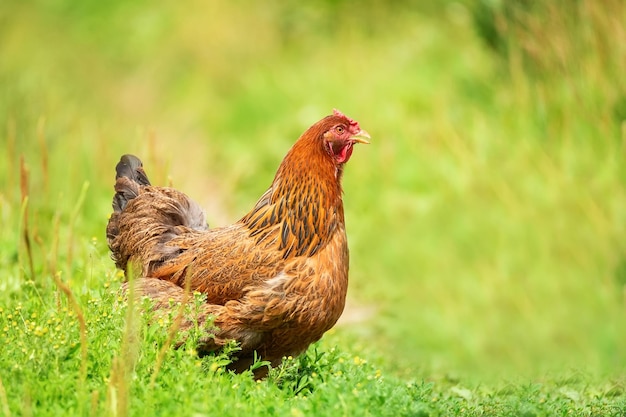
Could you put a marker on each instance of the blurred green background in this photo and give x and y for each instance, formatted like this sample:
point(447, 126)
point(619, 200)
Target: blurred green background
point(487, 219)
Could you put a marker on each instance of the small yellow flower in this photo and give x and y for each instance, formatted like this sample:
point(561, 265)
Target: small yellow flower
point(359, 361)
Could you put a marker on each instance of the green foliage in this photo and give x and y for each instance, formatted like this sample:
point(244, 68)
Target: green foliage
point(41, 362)
point(486, 219)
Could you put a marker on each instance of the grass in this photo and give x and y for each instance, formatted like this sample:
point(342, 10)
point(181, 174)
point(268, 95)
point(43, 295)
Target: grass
point(122, 376)
point(486, 220)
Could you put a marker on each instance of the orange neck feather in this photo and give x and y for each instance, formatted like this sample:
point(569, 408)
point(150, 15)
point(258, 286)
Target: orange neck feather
point(305, 199)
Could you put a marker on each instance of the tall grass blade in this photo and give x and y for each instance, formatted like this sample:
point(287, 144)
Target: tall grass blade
point(72, 223)
point(82, 326)
point(25, 218)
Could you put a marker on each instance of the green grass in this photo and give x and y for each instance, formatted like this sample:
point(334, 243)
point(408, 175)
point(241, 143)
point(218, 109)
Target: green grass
point(487, 219)
point(129, 369)
point(122, 377)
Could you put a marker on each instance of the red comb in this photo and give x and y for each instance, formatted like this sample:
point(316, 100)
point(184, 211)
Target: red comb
point(353, 123)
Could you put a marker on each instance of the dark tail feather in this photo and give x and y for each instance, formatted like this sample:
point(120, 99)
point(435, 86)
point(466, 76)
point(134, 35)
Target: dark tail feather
point(130, 176)
point(131, 167)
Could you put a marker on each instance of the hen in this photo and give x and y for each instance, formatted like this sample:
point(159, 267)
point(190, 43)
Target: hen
point(274, 281)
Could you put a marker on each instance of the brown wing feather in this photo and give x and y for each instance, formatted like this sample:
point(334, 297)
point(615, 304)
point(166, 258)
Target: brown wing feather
point(221, 263)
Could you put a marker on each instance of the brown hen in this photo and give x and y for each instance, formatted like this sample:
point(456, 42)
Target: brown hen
point(274, 281)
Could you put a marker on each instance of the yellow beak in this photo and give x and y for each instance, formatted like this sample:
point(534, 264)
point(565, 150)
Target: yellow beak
point(361, 137)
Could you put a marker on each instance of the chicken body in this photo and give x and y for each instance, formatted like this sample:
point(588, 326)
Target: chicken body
point(276, 280)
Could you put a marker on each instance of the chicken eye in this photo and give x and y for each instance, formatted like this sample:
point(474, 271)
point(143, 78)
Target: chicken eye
point(339, 129)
